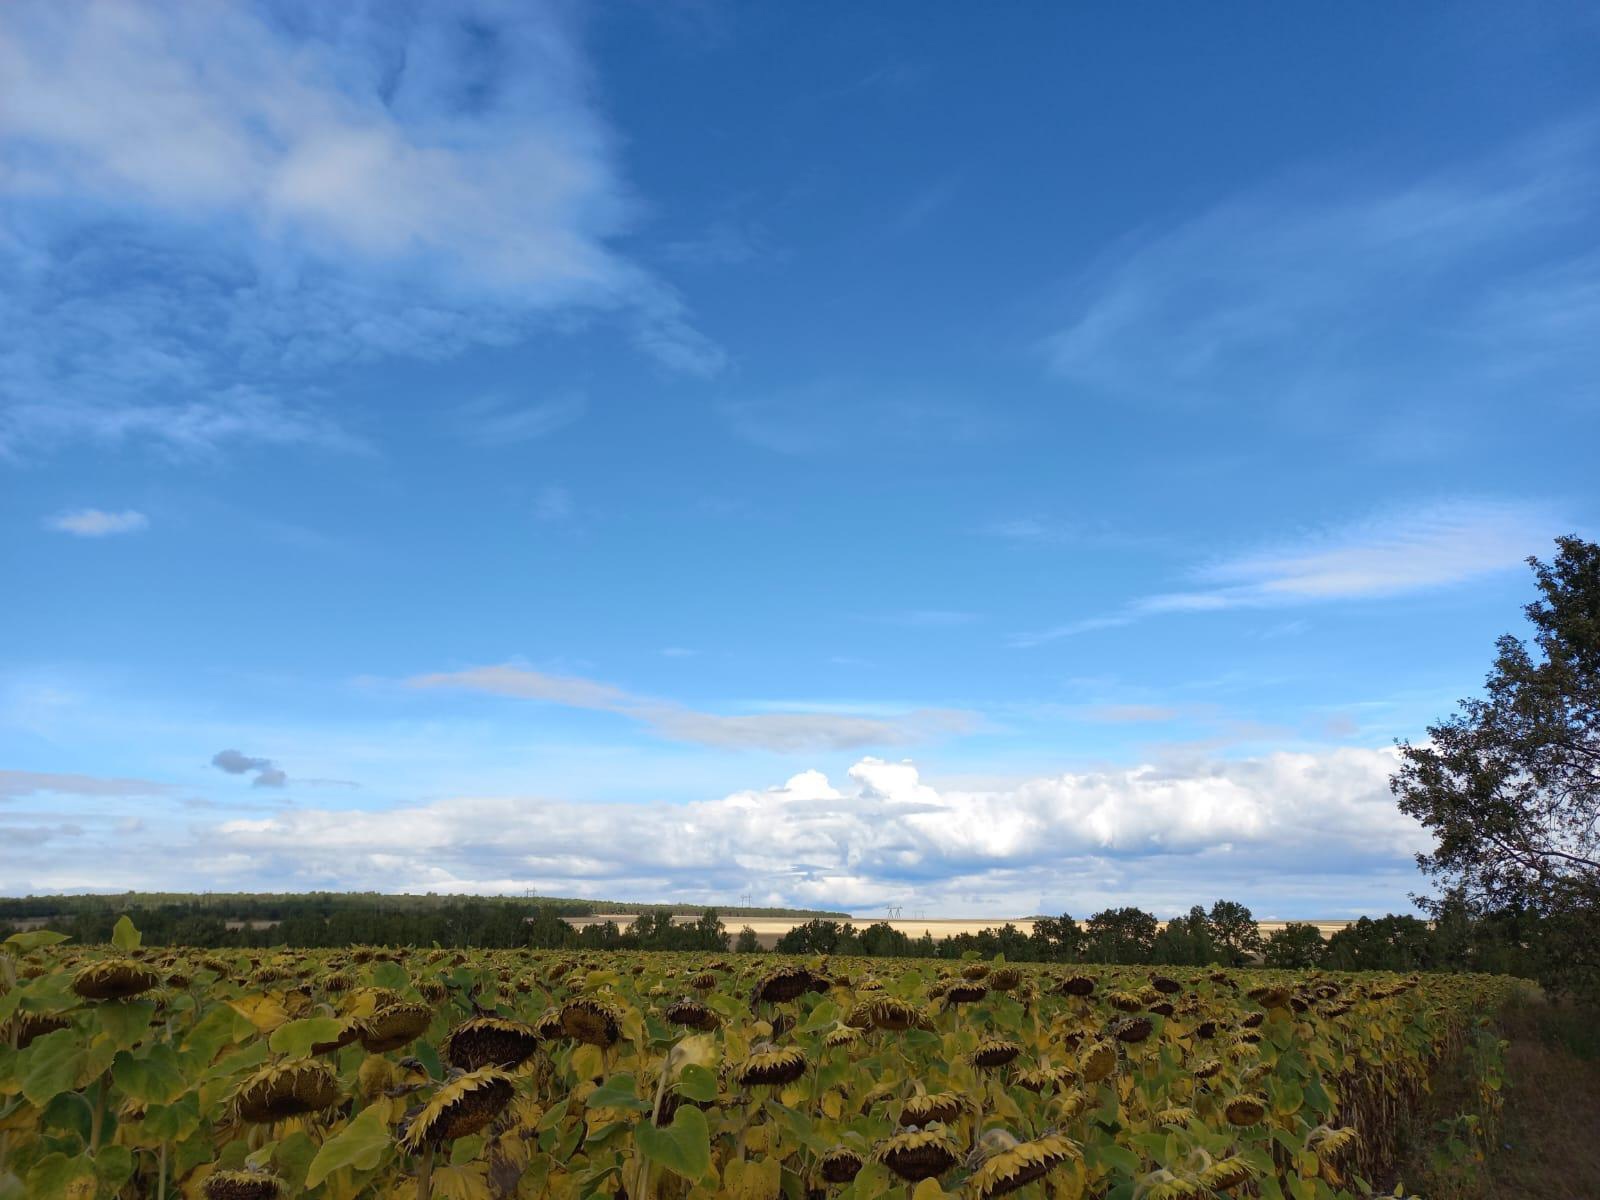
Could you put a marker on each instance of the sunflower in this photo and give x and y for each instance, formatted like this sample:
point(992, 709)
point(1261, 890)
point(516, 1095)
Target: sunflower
point(242, 1185)
point(1099, 1061)
point(770, 1066)
point(349, 1031)
point(1021, 1163)
point(841, 1165)
point(462, 1107)
point(289, 1089)
point(114, 979)
point(394, 1025)
point(894, 1015)
point(1132, 1029)
point(975, 971)
point(591, 1021)
point(1036, 1079)
point(994, 1052)
point(965, 993)
point(1164, 985)
point(489, 1042)
point(702, 981)
point(933, 1108)
point(692, 1014)
point(1244, 1110)
point(918, 1154)
point(1077, 985)
point(1227, 1173)
point(1005, 979)
point(841, 1035)
point(783, 984)
point(28, 1026)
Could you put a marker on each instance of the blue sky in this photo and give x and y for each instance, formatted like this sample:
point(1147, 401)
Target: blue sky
point(841, 454)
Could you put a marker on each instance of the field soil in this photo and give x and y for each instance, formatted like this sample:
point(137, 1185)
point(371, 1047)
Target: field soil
point(1548, 1144)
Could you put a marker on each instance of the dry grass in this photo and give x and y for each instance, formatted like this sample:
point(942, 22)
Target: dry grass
point(1548, 1144)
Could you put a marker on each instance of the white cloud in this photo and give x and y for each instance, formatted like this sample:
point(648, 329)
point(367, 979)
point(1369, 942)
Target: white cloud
point(204, 201)
point(1319, 832)
point(781, 732)
point(17, 784)
point(95, 522)
point(1308, 291)
point(492, 421)
point(1431, 546)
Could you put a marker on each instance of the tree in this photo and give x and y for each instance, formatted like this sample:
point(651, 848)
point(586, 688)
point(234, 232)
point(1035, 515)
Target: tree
point(1509, 786)
point(747, 942)
point(1057, 939)
point(1297, 944)
point(1391, 943)
point(1120, 935)
point(1233, 928)
point(1186, 941)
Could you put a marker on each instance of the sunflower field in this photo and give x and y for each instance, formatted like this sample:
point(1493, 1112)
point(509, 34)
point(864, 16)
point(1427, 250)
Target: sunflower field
point(128, 1071)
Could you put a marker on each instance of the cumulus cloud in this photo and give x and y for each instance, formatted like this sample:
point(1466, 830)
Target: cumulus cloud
point(94, 522)
point(235, 763)
point(1312, 829)
point(781, 732)
point(206, 202)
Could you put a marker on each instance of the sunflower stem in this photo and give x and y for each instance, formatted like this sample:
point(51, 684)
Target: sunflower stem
point(425, 1174)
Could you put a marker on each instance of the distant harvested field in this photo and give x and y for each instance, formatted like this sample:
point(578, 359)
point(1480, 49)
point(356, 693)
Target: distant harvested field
point(769, 929)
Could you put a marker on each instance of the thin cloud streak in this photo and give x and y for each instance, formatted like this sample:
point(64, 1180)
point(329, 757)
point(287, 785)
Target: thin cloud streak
point(779, 732)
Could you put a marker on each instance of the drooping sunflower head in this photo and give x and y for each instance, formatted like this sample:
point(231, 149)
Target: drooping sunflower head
point(1132, 1029)
point(1167, 987)
point(289, 1089)
point(1078, 985)
point(1022, 1163)
point(975, 971)
point(994, 1052)
point(489, 1042)
point(1098, 1061)
point(1330, 1144)
point(918, 1154)
point(29, 1025)
point(242, 1185)
point(702, 981)
point(841, 1035)
point(114, 979)
point(1227, 1173)
point(965, 993)
point(895, 1015)
point(771, 1066)
point(462, 1107)
point(394, 1025)
point(692, 1014)
point(1244, 1110)
point(591, 1020)
point(1005, 979)
point(840, 1165)
point(933, 1108)
point(782, 985)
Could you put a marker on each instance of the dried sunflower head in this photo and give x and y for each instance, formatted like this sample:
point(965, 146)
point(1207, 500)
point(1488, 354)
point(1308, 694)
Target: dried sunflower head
point(1037, 1079)
point(1245, 1110)
point(1132, 1029)
point(965, 993)
point(114, 979)
point(841, 1165)
point(289, 1089)
point(591, 1021)
point(1021, 1163)
point(771, 1066)
point(1005, 979)
point(29, 1025)
point(489, 1042)
point(394, 1025)
point(242, 1185)
point(782, 984)
point(933, 1108)
point(994, 1052)
point(692, 1014)
point(895, 1015)
point(918, 1154)
point(463, 1106)
point(1098, 1061)
point(975, 971)
point(1227, 1173)
point(1164, 985)
point(1078, 985)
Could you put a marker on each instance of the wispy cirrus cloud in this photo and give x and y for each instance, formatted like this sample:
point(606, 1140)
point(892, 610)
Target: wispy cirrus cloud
point(17, 784)
point(780, 732)
point(96, 522)
point(1307, 295)
point(1394, 553)
point(204, 203)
